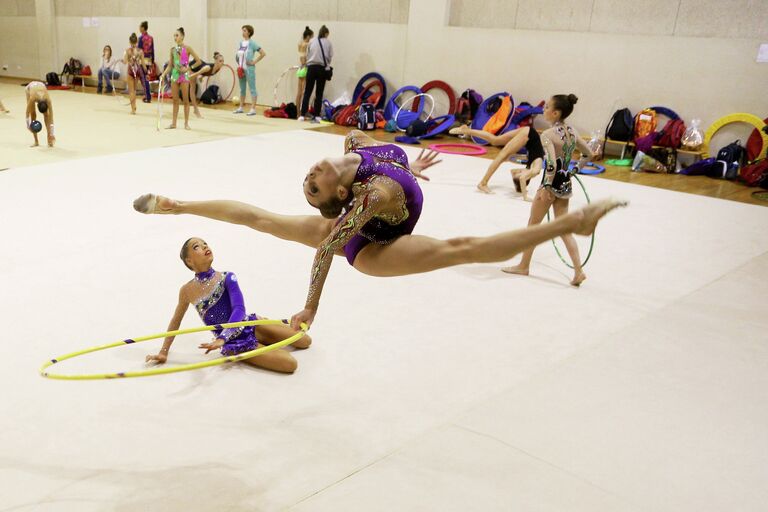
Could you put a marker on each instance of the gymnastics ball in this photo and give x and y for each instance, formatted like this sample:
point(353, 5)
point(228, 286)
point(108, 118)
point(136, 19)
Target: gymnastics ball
point(36, 126)
point(235, 99)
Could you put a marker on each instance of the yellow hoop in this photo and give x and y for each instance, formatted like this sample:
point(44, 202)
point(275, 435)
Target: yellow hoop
point(735, 118)
point(173, 369)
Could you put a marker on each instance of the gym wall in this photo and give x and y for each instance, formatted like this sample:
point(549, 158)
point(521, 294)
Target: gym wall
point(694, 56)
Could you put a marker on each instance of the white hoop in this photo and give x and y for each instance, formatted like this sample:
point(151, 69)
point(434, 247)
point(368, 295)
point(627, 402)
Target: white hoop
point(160, 94)
point(277, 84)
point(410, 100)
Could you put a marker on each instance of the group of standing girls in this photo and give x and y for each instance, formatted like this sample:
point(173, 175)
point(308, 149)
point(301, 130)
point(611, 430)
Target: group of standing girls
point(185, 66)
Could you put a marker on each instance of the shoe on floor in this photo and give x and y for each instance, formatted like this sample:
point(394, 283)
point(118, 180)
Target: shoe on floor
point(238, 110)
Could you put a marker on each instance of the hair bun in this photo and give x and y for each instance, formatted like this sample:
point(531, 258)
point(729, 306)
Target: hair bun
point(573, 99)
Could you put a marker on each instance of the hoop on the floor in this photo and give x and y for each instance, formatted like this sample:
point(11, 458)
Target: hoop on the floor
point(173, 369)
point(275, 101)
point(592, 238)
point(589, 169)
point(624, 162)
point(459, 149)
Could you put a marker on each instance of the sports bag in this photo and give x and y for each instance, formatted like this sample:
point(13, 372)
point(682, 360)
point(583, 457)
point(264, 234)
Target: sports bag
point(756, 173)
point(620, 126)
point(211, 95)
point(672, 133)
point(366, 116)
point(645, 123)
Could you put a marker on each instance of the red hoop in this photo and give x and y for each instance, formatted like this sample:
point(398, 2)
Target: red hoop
point(224, 97)
point(447, 89)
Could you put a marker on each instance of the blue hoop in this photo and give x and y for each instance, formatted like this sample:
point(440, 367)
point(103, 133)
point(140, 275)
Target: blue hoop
point(483, 116)
point(360, 87)
point(439, 125)
point(665, 112)
point(392, 107)
point(590, 169)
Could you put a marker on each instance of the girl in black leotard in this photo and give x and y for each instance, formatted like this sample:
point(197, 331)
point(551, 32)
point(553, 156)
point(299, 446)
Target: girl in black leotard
point(201, 68)
point(513, 141)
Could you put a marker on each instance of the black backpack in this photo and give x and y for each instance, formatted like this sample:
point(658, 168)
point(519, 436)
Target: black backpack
point(620, 127)
point(211, 95)
point(292, 111)
point(52, 79)
point(72, 67)
point(366, 116)
point(417, 128)
point(731, 154)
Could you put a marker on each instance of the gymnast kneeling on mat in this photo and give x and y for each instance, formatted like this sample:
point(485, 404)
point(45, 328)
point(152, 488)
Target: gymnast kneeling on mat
point(218, 300)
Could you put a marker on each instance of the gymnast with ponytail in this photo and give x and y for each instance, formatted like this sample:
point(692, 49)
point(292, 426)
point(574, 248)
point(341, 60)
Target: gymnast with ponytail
point(560, 142)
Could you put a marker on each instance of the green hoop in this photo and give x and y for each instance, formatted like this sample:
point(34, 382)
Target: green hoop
point(592, 238)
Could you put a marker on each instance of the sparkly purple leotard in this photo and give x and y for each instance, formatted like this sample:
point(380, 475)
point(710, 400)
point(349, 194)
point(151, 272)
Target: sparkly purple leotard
point(225, 304)
point(390, 161)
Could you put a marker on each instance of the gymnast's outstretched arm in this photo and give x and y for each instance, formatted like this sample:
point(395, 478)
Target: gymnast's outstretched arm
point(363, 210)
point(178, 316)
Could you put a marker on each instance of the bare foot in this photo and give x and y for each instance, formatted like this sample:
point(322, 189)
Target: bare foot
point(529, 199)
point(578, 279)
point(517, 269)
point(462, 130)
point(198, 114)
point(151, 203)
point(133, 112)
point(592, 213)
point(170, 127)
point(186, 127)
point(482, 187)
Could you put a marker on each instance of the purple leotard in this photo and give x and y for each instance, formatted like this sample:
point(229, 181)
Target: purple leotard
point(390, 161)
point(223, 305)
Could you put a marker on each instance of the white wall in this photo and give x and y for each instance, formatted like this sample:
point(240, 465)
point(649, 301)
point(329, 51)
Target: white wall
point(18, 38)
point(280, 39)
point(705, 77)
point(86, 43)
